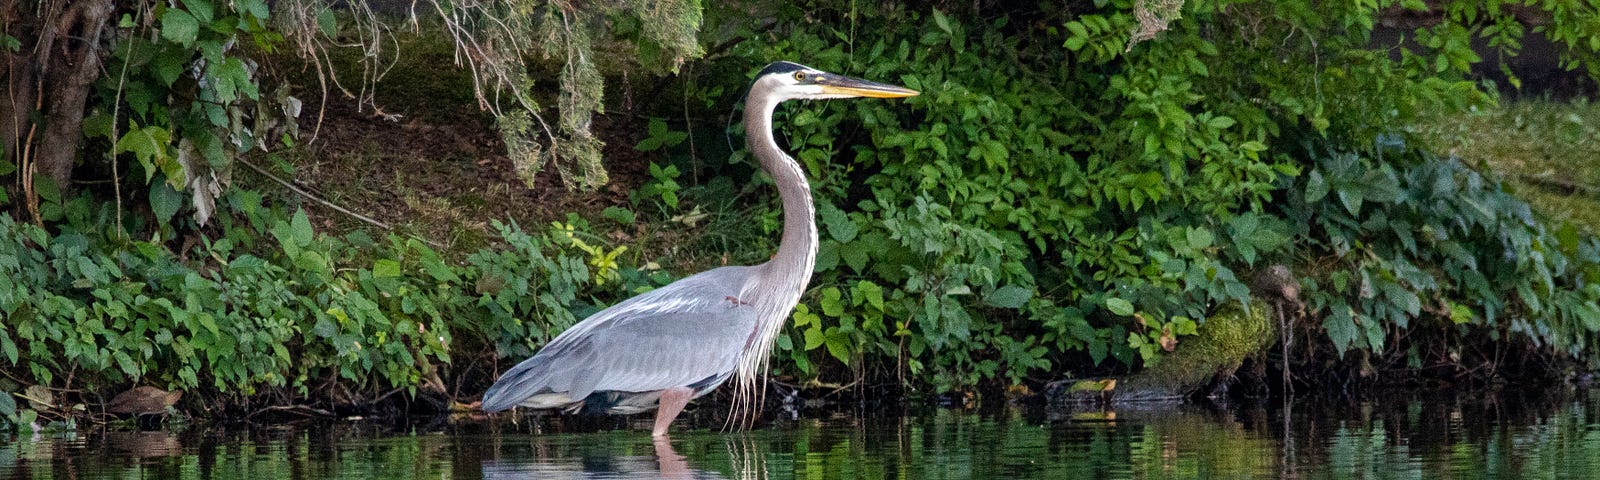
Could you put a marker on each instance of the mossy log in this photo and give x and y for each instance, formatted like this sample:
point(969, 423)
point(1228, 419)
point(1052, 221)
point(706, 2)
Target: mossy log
point(1218, 348)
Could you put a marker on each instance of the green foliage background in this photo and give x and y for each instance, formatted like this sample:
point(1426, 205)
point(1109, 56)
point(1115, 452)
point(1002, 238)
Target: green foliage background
point(1056, 192)
point(1056, 201)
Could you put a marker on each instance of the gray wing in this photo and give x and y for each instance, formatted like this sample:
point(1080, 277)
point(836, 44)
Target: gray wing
point(686, 332)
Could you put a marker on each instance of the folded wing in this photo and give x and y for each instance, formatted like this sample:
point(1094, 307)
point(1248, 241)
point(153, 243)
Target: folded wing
point(689, 332)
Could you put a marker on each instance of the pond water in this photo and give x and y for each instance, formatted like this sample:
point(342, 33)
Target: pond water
point(1396, 436)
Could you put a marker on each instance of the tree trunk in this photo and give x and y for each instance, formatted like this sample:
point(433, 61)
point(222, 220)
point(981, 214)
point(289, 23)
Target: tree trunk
point(19, 101)
point(50, 78)
point(72, 64)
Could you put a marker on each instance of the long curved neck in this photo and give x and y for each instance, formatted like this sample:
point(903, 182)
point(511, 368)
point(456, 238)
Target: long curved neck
point(778, 283)
point(790, 269)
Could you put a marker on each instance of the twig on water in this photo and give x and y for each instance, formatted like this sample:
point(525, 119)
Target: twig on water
point(296, 409)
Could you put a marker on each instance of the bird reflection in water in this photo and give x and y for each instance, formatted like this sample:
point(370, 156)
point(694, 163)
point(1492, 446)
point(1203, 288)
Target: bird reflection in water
point(744, 461)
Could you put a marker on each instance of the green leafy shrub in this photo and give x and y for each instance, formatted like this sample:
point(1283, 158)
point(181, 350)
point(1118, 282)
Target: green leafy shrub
point(278, 308)
point(1412, 244)
point(1056, 198)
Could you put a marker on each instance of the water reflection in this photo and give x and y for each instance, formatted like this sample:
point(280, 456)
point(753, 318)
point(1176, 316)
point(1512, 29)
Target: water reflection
point(568, 457)
point(1423, 436)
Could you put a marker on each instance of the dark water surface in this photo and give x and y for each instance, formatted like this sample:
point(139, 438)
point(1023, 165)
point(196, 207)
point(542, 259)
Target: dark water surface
point(1396, 436)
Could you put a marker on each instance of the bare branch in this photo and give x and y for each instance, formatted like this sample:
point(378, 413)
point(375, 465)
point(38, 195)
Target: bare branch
point(306, 194)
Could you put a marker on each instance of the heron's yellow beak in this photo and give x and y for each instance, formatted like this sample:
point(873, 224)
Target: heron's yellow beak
point(855, 87)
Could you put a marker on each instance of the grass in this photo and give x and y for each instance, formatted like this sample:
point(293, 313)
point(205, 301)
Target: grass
point(1547, 151)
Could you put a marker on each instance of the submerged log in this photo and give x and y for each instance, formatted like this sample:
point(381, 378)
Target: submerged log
point(1219, 347)
point(1209, 358)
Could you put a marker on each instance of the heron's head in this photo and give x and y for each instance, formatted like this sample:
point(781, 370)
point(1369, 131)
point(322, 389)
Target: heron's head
point(793, 81)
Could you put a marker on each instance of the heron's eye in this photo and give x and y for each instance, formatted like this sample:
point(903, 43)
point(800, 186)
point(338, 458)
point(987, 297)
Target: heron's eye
point(799, 76)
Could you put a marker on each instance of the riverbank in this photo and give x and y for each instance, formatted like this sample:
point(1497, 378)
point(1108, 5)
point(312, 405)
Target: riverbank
point(1062, 202)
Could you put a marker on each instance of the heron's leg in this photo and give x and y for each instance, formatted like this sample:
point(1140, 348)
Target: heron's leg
point(672, 402)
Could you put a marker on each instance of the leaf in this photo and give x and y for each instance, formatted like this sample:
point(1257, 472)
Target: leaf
point(803, 317)
point(1267, 239)
point(814, 338)
point(1075, 43)
point(257, 8)
point(855, 256)
point(385, 268)
point(1097, 350)
point(1316, 187)
point(994, 153)
point(91, 271)
point(674, 138)
point(827, 256)
point(831, 302)
point(432, 264)
point(164, 202)
point(203, 10)
point(46, 189)
point(325, 328)
point(1351, 200)
point(327, 23)
point(943, 22)
point(1380, 186)
point(204, 192)
point(648, 144)
point(8, 347)
point(869, 292)
point(839, 225)
point(1184, 326)
point(1405, 299)
point(619, 215)
point(8, 405)
point(838, 344)
point(300, 228)
point(312, 261)
point(232, 78)
point(169, 63)
point(97, 124)
point(1586, 312)
point(180, 27)
point(1119, 306)
point(1341, 327)
point(148, 145)
point(1375, 335)
point(26, 419)
point(1200, 238)
point(247, 264)
point(1009, 296)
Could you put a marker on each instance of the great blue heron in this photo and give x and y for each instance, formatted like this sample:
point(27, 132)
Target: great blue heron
point(681, 341)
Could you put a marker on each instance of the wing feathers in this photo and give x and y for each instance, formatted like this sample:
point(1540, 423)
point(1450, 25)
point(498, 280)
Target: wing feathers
point(674, 336)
